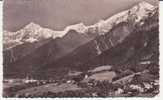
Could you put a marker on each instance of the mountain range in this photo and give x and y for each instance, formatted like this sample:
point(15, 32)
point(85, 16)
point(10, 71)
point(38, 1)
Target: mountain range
point(45, 53)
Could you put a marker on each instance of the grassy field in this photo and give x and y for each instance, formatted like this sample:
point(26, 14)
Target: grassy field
point(48, 88)
point(108, 75)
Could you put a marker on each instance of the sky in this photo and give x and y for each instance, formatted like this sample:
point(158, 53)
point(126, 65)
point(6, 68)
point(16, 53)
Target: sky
point(57, 14)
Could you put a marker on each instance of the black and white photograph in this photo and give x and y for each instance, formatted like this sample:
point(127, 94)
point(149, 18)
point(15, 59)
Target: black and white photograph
point(80, 48)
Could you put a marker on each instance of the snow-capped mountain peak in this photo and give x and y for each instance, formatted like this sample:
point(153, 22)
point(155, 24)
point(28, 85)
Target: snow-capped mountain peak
point(141, 10)
point(80, 27)
point(32, 26)
point(33, 32)
point(145, 5)
point(137, 12)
